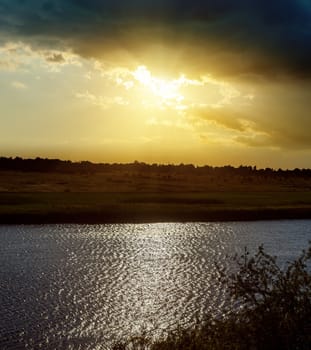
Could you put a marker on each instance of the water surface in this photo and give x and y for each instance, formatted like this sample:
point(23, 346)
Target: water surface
point(81, 286)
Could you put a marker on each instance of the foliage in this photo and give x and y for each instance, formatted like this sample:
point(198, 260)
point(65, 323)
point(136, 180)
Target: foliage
point(86, 167)
point(272, 310)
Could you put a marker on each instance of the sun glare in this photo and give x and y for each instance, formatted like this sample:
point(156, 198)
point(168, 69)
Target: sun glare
point(164, 89)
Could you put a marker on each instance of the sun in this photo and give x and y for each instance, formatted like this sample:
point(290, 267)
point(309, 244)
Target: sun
point(167, 90)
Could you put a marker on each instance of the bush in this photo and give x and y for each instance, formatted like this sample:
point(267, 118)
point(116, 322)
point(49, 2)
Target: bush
point(272, 310)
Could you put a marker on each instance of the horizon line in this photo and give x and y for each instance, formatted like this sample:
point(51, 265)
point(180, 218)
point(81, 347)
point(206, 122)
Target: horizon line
point(253, 167)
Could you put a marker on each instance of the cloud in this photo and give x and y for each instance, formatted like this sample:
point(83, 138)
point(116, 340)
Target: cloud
point(7, 65)
point(56, 58)
point(279, 117)
point(277, 138)
point(103, 102)
point(258, 38)
point(18, 85)
point(246, 43)
point(223, 117)
point(19, 55)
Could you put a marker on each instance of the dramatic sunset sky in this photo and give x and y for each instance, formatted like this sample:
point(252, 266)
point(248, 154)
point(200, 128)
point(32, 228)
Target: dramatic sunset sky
point(199, 81)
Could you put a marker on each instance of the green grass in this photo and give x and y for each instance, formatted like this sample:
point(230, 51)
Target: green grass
point(135, 197)
point(133, 207)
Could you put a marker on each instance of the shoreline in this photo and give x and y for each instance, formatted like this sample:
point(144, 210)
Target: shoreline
point(147, 207)
point(144, 217)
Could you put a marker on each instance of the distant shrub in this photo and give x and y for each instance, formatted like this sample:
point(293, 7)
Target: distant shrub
point(272, 310)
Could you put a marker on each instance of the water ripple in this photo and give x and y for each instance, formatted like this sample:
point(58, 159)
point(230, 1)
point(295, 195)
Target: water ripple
point(81, 286)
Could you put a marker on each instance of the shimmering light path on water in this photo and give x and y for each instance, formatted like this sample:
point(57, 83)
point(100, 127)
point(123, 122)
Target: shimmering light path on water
point(80, 286)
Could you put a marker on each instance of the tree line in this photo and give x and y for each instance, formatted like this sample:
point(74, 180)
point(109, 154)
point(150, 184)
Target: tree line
point(66, 166)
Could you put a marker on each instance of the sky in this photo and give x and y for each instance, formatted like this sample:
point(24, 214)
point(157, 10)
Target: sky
point(168, 81)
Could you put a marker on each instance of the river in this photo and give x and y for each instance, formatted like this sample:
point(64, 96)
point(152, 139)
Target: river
point(82, 286)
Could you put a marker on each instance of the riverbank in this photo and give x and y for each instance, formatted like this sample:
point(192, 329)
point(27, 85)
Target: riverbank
point(129, 207)
point(156, 194)
point(274, 311)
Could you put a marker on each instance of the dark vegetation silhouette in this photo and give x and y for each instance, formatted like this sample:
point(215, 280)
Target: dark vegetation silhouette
point(67, 166)
point(271, 310)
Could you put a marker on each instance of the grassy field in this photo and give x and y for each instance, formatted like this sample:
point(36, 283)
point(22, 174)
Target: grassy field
point(125, 197)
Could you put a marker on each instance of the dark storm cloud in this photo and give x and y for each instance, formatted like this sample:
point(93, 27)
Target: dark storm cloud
point(242, 37)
